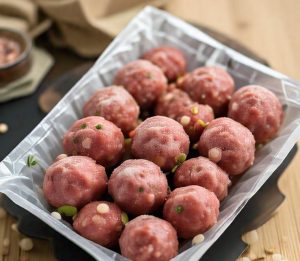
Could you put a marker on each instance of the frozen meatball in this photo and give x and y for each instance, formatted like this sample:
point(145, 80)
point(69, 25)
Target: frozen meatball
point(74, 181)
point(205, 173)
point(229, 144)
point(209, 85)
point(258, 109)
point(101, 222)
point(194, 118)
point(160, 140)
point(97, 138)
point(191, 210)
point(144, 80)
point(169, 59)
point(115, 104)
point(172, 102)
point(138, 186)
point(148, 238)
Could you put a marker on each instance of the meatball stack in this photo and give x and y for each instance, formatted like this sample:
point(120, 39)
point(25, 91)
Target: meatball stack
point(166, 192)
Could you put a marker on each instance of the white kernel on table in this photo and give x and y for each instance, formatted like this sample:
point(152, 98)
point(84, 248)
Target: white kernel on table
point(215, 154)
point(185, 120)
point(277, 257)
point(245, 258)
point(26, 244)
point(252, 237)
point(6, 242)
point(3, 128)
point(14, 227)
point(86, 143)
point(56, 215)
point(102, 208)
point(198, 239)
point(2, 213)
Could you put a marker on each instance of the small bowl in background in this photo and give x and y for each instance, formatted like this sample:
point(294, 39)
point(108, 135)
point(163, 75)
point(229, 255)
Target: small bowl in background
point(18, 67)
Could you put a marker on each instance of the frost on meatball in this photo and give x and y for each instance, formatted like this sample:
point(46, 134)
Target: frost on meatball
point(172, 102)
point(229, 144)
point(191, 210)
point(169, 59)
point(144, 80)
point(74, 181)
point(115, 104)
point(194, 118)
point(138, 186)
point(205, 173)
point(97, 138)
point(101, 222)
point(160, 140)
point(258, 109)
point(148, 238)
point(209, 85)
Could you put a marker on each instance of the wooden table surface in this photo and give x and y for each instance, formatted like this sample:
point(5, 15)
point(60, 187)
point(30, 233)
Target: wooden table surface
point(270, 28)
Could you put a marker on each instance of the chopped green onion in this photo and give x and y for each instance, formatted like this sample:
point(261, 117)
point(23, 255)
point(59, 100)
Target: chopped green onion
point(174, 168)
point(128, 141)
point(98, 126)
point(202, 123)
point(194, 110)
point(83, 125)
point(180, 158)
point(124, 218)
point(179, 209)
point(141, 189)
point(67, 210)
point(31, 161)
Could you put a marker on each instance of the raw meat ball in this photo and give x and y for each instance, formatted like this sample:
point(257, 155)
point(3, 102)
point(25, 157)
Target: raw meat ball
point(229, 144)
point(101, 222)
point(115, 104)
point(202, 172)
point(171, 103)
point(97, 138)
point(169, 59)
point(138, 186)
point(148, 238)
point(209, 85)
point(258, 109)
point(194, 118)
point(74, 181)
point(144, 80)
point(160, 140)
point(191, 210)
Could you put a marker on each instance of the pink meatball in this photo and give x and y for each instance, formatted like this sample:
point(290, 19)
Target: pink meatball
point(115, 104)
point(74, 181)
point(138, 186)
point(169, 59)
point(229, 144)
point(97, 138)
point(171, 103)
point(194, 118)
point(258, 109)
point(160, 140)
point(191, 210)
point(209, 85)
point(101, 222)
point(144, 80)
point(202, 172)
point(148, 238)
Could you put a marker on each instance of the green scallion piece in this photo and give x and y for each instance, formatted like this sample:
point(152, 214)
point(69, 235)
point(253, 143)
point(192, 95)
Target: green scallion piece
point(67, 210)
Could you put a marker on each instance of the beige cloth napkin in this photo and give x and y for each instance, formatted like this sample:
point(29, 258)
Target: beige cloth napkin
point(86, 26)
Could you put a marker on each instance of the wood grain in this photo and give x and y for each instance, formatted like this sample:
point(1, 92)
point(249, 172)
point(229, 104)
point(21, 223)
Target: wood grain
point(270, 28)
